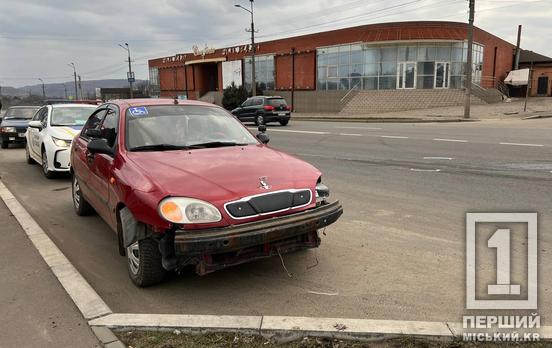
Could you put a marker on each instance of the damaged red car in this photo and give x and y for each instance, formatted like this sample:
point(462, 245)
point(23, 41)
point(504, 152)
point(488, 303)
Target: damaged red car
point(185, 183)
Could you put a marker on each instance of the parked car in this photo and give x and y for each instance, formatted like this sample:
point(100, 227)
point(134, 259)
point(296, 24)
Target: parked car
point(184, 183)
point(50, 134)
point(14, 124)
point(264, 109)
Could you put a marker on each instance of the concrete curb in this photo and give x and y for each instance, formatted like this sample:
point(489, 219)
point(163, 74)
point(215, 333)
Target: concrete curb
point(83, 295)
point(278, 326)
point(536, 117)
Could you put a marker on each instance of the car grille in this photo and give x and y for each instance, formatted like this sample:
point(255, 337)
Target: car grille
point(20, 129)
point(268, 203)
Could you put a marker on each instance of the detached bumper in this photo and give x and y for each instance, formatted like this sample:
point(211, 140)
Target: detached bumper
point(212, 249)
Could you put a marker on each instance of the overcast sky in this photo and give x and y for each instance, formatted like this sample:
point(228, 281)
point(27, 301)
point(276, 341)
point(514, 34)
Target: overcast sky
point(38, 38)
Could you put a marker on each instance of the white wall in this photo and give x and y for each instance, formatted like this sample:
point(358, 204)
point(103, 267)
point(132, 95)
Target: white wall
point(231, 72)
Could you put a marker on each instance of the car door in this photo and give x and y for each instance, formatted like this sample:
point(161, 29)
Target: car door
point(101, 167)
point(81, 162)
point(248, 112)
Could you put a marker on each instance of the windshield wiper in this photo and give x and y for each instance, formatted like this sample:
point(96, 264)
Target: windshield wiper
point(216, 144)
point(159, 147)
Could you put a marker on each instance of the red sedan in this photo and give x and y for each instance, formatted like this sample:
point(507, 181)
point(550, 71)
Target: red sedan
point(185, 183)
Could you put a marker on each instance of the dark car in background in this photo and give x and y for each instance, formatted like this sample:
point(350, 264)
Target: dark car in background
point(14, 124)
point(264, 109)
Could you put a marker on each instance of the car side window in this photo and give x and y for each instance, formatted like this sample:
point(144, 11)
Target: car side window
point(37, 115)
point(247, 102)
point(258, 101)
point(110, 126)
point(93, 122)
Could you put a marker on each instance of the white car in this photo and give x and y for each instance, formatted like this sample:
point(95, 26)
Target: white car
point(51, 132)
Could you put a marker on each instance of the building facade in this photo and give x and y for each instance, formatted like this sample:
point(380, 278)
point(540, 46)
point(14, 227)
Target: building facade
point(406, 56)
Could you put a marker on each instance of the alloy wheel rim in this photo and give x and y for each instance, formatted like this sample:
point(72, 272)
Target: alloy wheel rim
point(133, 256)
point(44, 162)
point(76, 192)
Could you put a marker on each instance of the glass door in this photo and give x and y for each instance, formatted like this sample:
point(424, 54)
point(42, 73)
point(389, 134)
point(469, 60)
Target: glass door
point(406, 75)
point(442, 74)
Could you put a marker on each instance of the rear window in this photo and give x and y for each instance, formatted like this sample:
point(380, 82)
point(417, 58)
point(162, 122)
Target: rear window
point(276, 102)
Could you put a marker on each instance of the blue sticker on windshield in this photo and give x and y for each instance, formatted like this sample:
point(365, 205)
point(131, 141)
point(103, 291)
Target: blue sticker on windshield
point(138, 111)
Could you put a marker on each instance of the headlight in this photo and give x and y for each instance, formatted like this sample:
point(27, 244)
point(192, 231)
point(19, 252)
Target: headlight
point(8, 129)
point(180, 210)
point(322, 192)
point(61, 142)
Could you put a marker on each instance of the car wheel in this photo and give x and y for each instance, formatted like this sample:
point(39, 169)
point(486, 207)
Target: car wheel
point(284, 123)
point(81, 205)
point(5, 144)
point(259, 120)
point(47, 172)
point(144, 263)
point(28, 157)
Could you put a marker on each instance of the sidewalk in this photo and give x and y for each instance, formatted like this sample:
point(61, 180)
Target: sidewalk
point(36, 311)
point(504, 110)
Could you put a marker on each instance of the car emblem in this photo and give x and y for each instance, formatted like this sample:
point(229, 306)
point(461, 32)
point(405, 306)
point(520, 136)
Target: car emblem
point(263, 183)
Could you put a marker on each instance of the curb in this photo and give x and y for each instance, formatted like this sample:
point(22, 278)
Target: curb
point(279, 326)
point(89, 303)
point(382, 120)
point(536, 117)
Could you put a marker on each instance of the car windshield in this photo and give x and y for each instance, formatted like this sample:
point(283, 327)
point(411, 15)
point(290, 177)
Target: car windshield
point(73, 116)
point(169, 127)
point(20, 113)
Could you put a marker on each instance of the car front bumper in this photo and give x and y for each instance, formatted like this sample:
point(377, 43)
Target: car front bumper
point(217, 248)
point(13, 137)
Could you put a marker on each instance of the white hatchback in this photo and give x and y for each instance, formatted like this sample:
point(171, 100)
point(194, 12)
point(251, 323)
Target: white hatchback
point(51, 132)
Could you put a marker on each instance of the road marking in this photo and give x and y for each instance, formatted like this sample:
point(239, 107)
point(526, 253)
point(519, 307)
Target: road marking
point(451, 140)
point(83, 295)
point(369, 128)
point(393, 137)
point(439, 158)
point(521, 144)
point(297, 131)
point(351, 134)
point(424, 170)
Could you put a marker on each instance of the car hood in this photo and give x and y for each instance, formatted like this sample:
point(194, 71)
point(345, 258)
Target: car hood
point(14, 123)
point(223, 174)
point(65, 132)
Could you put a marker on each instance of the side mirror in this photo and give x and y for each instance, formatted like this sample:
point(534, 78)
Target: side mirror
point(93, 133)
point(99, 146)
point(262, 128)
point(263, 138)
point(35, 124)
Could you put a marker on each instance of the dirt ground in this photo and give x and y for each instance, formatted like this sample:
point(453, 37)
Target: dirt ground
point(140, 339)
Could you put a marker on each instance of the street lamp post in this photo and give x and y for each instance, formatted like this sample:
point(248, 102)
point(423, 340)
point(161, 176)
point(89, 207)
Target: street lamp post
point(130, 76)
point(75, 77)
point(43, 90)
point(253, 48)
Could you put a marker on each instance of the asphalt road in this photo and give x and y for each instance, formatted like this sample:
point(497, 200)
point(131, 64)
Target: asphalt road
point(398, 252)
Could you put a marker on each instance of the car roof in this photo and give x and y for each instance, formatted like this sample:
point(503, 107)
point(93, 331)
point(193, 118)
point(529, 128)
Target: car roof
point(157, 101)
point(24, 107)
point(57, 106)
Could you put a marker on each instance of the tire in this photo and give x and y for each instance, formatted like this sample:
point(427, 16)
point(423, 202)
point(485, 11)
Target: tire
point(81, 205)
point(284, 123)
point(28, 157)
point(144, 263)
point(5, 144)
point(47, 172)
point(259, 120)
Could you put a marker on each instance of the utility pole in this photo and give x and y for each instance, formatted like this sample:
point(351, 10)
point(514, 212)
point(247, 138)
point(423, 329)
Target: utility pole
point(529, 85)
point(43, 90)
point(80, 88)
point(130, 75)
point(75, 77)
point(469, 68)
point(253, 48)
point(518, 49)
